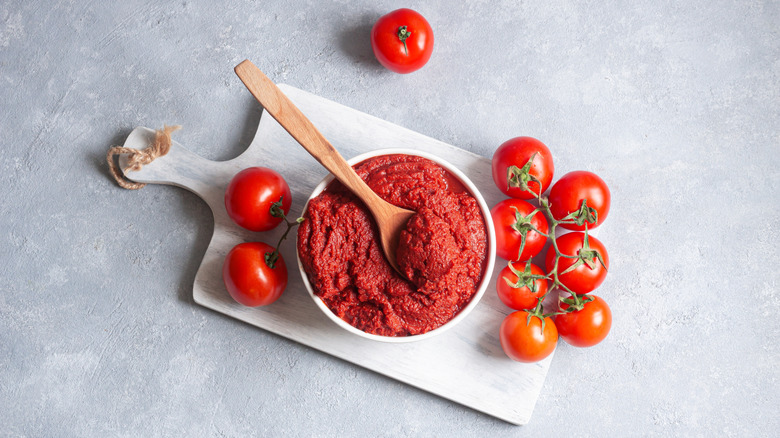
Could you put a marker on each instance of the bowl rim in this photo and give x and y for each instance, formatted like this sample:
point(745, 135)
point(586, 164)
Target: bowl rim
point(487, 273)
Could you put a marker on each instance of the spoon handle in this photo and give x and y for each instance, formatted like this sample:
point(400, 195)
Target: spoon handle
point(281, 108)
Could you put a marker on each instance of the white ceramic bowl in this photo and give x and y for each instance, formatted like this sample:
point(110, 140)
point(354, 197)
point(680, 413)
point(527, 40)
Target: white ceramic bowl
point(490, 262)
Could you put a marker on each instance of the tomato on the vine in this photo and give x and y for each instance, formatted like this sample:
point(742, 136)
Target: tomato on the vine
point(513, 219)
point(254, 274)
point(402, 40)
point(525, 340)
point(250, 195)
point(585, 327)
point(587, 270)
point(523, 167)
point(569, 192)
point(521, 291)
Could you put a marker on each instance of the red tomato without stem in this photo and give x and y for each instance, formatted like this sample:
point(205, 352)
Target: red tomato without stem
point(587, 326)
point(526, 341)
point(251, 193)
point(583, 278)
point(248, 277)
point(402, 40)
point(509, 167)
point(567, 194)
point(520, 298)
point(510, 219)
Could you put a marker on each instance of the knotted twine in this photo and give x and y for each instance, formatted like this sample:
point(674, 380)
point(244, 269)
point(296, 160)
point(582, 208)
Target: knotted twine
point(139, 158)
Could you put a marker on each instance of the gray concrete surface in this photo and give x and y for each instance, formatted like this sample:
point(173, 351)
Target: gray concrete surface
point(675, 104)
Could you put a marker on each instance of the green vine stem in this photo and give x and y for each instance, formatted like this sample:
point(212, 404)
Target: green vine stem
point(403, 34)
point(583, 216)
point(276, 211)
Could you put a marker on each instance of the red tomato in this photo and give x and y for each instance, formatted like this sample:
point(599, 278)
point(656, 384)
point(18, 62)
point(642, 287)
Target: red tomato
point(248, 277)
point(567, 194)
point(512, 172)
point(522, 297)
point(251, 193)
point(510, 219)
point(402, 40)
point(583, 278)
point(525, 341)
point(586, 327)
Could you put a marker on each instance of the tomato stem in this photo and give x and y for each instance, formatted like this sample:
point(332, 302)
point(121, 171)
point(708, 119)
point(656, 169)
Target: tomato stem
point(524, 278)
point(276, 211)
point(522, 225)
point(403, 34)
point(521, 177)
point(585, 215)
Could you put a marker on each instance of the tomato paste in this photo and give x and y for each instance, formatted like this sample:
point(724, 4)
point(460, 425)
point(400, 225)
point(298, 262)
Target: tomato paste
point(442, 251)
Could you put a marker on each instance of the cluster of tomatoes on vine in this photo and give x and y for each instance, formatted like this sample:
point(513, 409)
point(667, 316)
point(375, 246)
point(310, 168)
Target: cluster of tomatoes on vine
point(257, 199)
point(575, 263)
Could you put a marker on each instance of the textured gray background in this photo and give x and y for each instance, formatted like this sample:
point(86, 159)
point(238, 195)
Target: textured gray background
point(675, 104)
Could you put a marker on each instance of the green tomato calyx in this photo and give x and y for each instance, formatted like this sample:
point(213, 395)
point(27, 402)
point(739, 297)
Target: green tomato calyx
point(524, 278)
point(403, 34)
point(523, 225)
point(521, 177)
point(586, 256)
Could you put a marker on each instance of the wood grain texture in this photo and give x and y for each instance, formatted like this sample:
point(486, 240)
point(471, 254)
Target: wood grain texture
point(464, 364)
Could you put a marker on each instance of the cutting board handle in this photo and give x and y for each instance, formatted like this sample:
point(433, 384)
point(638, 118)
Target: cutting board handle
point(179, 167)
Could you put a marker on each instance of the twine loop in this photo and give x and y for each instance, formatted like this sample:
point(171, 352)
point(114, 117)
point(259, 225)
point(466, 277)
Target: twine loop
point(139, 158)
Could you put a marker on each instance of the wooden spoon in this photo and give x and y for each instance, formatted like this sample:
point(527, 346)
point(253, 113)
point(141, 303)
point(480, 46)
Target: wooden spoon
point(390, 219)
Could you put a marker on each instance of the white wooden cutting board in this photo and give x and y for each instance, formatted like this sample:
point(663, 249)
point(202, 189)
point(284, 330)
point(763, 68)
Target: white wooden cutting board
point(464, 364)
